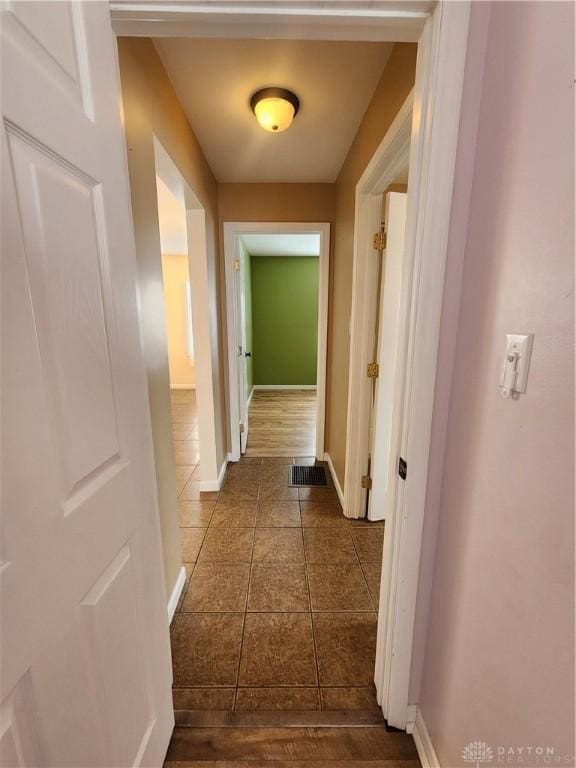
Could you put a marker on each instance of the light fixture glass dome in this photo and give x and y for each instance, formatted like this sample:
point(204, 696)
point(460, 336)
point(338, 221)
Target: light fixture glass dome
point(275, 108)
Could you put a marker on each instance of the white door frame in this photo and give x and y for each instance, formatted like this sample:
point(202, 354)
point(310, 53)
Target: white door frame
point(435, 121)
point(441, 31)
point(232, 229)
point(168, 171)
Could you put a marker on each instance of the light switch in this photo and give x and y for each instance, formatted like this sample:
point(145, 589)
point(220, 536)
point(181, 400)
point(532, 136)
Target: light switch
point(514, 373)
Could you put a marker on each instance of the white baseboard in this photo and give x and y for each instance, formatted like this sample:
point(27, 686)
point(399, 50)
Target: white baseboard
point(426, 751)
point(328, 460)
point(250, 396)
point(215, 485)
point(283, 386)
point(176, 592)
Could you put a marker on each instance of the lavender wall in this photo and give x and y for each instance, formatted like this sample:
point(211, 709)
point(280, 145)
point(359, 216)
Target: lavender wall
point(496, 663)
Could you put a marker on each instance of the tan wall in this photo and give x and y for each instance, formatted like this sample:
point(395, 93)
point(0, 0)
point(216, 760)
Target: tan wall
point(391, 92)
point(175, 274)
point(276, 202)
point(151, 107)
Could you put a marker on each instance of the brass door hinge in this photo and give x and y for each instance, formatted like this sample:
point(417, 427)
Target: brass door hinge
point(366, 481)
point(379, 240)
point(241, 428)
point(372, 370)
point(237, 265)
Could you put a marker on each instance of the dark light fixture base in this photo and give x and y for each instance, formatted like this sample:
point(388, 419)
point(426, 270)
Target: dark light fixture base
point(275, 93)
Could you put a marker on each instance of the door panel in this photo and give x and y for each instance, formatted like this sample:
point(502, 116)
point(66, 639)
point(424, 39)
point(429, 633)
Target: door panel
point(387, 385)
point(54, 38)
point(85, 660)
point(64, 266)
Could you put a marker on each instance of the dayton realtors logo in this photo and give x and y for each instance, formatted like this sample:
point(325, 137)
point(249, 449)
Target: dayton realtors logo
point(478, 753)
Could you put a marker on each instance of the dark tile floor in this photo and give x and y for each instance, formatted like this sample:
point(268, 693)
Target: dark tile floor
point(279, 608)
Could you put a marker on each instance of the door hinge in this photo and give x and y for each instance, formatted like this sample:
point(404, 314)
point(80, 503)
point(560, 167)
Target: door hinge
point(366, 481)
point(379, 240)
point(241, 428)
point(402, 468)
point(372, 370)
point(237, 265)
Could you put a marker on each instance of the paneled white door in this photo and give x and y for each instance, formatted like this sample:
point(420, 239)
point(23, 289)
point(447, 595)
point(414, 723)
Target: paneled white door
point(86, 673)
point(388, 400)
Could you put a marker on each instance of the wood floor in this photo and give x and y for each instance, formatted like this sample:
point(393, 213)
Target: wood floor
point(282, 423)
point(359, 747)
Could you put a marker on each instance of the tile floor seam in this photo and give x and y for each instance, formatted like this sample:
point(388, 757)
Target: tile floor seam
point(312, 621)
point(245, 611)
point(364, 576)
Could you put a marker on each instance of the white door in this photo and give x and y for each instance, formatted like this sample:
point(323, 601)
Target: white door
point(243, 352)
point(388, 384)
point(85, 652)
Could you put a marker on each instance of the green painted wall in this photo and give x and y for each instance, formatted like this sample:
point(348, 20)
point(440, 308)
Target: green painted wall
point(284, 319)
point(245, 262)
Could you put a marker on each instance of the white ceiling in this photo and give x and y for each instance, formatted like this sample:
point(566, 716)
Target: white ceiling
point(282, 244)
point(172, 220)
point(214, 80)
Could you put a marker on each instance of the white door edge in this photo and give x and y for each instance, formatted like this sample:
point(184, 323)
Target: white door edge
point(432, 144)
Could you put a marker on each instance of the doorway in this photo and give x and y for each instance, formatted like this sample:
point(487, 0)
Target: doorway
point(187, 342)
point(277, 313)
point(441, 32)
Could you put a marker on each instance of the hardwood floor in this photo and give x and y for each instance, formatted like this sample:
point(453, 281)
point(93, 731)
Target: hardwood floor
point(282, 423)
point(358, 747)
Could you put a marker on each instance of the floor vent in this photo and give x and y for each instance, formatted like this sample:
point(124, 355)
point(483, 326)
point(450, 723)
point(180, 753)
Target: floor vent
point(302, 477)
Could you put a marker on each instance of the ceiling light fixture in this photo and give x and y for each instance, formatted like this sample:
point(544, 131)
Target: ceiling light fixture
point(275, 108)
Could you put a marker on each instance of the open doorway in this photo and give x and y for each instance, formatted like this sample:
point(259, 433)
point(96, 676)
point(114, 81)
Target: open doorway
point(179, 330)
point(186, 316)
point(277, 310)
point(246, 539)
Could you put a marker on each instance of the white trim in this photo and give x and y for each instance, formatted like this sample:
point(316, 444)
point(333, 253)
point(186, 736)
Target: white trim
point(231, 231)
point(215, 485)
point(328, 460)
point(250, 396)
point(423, 742)
point(176, 594)
point(375, 21)
point(437, 104)
point(272, 387)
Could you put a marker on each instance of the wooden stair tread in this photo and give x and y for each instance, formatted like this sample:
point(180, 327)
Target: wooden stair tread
point(309, 746)
point(293, 764)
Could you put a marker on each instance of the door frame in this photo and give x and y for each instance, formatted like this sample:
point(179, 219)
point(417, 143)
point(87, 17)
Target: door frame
point(435, 105)
point(390, 158)
point(168, 171)
point(232, 229)
point(441, 30)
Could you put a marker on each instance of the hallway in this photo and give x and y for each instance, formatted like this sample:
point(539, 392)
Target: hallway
point(279, 608)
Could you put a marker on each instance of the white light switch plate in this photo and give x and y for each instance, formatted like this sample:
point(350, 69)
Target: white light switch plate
point(520, 344)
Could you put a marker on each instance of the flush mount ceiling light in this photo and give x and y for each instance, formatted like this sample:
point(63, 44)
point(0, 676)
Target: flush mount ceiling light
point(275, 108)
